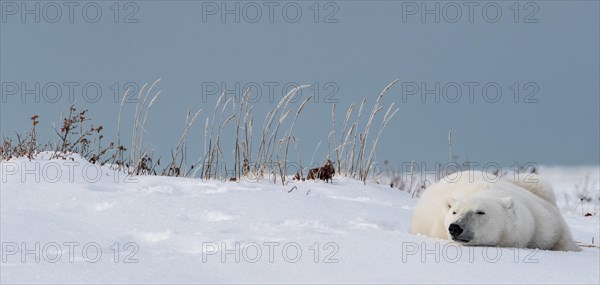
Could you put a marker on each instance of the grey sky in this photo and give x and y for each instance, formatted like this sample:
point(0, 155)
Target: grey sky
point(550, 50)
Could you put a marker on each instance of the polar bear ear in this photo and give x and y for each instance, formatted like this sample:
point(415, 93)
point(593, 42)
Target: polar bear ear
point(507, 202)
point(450, 202)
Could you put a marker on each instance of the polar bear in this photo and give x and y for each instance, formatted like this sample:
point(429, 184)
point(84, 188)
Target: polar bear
point(430, 212)
point(508, 217)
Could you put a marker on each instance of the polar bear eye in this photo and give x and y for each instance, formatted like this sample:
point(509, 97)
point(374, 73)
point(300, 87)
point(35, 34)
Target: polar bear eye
point(480, 213)
point(454, 213)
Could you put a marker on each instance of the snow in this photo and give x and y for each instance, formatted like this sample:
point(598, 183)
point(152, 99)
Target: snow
point(180, 230)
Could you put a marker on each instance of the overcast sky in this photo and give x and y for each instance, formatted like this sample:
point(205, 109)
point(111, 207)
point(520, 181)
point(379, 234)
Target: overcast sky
point(527, 73)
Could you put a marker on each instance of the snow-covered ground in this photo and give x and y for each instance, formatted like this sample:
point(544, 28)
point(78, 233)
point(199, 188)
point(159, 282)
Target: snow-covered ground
point(95, 225)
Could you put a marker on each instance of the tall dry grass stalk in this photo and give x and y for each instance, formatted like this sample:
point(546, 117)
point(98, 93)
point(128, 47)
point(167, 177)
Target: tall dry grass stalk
point(359, 161)
point(451, 158)
point(269, 137)
point(138, 155)
point(289, 136)
point(120, 147)
point(134, 131)
point(179, 155)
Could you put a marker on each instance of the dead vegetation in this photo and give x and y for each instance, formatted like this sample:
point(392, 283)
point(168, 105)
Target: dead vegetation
point(325, 172)
point(263, 154)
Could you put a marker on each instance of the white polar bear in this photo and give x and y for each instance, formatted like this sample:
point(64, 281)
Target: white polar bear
point(430, 212)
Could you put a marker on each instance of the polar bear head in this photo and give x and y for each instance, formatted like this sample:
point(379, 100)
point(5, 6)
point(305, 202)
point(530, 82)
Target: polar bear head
point(478, 219)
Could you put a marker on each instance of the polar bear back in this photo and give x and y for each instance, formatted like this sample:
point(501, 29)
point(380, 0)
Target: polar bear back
point(535, 183)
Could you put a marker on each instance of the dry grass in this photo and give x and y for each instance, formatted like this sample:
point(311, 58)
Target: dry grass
point(354, 146)
point(358, 161)
point(73, 136)
point(26, 145)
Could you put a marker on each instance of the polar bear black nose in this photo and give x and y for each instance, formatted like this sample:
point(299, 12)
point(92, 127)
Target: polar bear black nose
point(455, 230)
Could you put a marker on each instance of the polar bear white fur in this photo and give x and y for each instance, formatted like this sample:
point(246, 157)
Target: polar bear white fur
point(533, 202)
point(535, 184)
